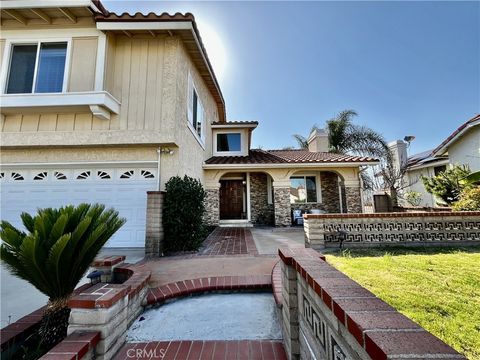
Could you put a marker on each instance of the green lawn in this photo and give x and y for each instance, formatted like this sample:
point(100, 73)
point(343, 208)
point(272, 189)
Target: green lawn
point(439, 288)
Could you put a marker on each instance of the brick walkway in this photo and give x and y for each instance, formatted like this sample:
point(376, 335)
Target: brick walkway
point(211, 350)
point(229, 241)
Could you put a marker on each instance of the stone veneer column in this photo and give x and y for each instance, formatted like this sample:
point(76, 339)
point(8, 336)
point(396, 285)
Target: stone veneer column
point(281, 193)
point(212, 205)
point(330, 193)
point(354, 199)
point(154, 229)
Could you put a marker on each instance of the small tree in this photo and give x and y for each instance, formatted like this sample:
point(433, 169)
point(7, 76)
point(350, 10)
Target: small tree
point(183, 214)
point(448, 184)
point(55, 253)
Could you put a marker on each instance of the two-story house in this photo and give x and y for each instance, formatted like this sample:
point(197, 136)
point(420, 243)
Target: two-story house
point(101, 107)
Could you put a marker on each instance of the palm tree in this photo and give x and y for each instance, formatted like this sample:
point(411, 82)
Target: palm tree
point(345, 137)
point(55, 253)
point(302, 141)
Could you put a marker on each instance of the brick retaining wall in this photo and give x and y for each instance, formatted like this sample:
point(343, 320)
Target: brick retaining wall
point(421, 228)
point(326, 315)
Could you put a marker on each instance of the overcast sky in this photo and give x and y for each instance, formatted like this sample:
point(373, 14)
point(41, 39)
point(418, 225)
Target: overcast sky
point(407, 68)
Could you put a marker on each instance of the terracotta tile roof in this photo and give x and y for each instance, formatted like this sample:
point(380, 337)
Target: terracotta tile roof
point(455, 133)
point(257, 156)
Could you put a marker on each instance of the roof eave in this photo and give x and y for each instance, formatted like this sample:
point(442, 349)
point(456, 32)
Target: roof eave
point(443, 147)
point(113, 22)
point(289, 165)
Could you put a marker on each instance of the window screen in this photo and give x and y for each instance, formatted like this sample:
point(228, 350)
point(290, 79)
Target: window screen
point(22, 68)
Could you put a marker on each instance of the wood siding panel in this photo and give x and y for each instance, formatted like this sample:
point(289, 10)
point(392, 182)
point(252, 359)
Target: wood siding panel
point(30, 122)
point(157, 98)
point(2, 51)
point(82, 66)
point(48, 122)
point(83, 122)
point(65, 122)
point(124, 73)
point(134, 84)
point(12, 123)
point(100, 124)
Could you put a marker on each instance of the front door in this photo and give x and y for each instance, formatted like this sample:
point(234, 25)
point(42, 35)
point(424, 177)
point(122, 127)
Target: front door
point(231, 199)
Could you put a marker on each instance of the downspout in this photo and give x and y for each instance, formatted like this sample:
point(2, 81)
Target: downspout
point(159, 182)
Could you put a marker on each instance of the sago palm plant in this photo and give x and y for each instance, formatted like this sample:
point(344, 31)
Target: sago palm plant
point(55, 253)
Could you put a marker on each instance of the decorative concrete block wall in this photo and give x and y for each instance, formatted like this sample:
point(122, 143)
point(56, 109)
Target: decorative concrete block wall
point(283, 216)
point(326, 315)
point(154, 234)
point(360, 230)
point(262, 212)
point(212, 206)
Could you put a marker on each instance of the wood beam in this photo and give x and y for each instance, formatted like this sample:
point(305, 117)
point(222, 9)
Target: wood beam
point(68, 14)
point(170, 33)
point(152, 33)
point(42, 15)
point(128, 33)
point(16, 15)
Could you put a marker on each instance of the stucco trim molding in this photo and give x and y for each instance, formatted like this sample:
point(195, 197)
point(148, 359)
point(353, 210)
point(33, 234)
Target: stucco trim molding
point(96, 100)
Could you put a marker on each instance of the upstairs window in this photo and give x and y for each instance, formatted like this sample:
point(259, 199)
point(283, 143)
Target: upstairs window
point(37, 68)
point(229, 142)
point(196, 113)
point(303, 189)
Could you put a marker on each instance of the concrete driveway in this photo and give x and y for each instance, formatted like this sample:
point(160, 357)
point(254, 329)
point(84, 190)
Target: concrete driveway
point(19, 298)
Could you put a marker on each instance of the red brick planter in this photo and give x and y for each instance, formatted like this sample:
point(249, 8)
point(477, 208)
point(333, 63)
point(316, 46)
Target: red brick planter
point(195, 286)
point(74, 347)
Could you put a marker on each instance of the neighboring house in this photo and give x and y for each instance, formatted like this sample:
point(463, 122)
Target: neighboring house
point(100, 107)
point(462, 147)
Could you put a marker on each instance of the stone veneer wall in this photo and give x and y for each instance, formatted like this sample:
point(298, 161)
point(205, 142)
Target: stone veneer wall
point(212, 206)
point(326, 315)
point(154, 228)
point(282, 206)
point(353, 199)
point(381, 229)
point(330, 194)
point(262, 213)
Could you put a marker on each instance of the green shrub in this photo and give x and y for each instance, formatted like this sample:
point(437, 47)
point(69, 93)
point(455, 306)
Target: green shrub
point(469, 200)
point(183, 214)
point(448, 184)
point(414, 198)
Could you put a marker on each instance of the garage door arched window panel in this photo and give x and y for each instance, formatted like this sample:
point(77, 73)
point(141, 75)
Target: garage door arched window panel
point(2, 176)
point(41, 176)
point(147, 174)
point(127, 174)
point(59, 175)
point(83, 175)
point(103, 175)
point(15, 176)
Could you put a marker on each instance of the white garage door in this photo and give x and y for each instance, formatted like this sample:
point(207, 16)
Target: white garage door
point(123, 189)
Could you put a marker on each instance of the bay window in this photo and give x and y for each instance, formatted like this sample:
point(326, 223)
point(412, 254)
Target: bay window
point(37, 68)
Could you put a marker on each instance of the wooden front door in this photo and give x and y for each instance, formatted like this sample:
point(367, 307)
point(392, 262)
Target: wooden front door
point(231, 199)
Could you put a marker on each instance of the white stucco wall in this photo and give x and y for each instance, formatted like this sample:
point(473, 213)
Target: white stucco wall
point(466, 151)
point(416, 184)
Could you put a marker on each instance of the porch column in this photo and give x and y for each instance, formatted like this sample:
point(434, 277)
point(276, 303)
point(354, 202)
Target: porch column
point(154, 235)
point(281, 193)
point(353, 196)
point(212, 203)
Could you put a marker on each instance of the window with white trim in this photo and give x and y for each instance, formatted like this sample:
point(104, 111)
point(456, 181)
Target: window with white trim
point(195, 112)
point(228, 142)
point(37, 68)
point(303, 189)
